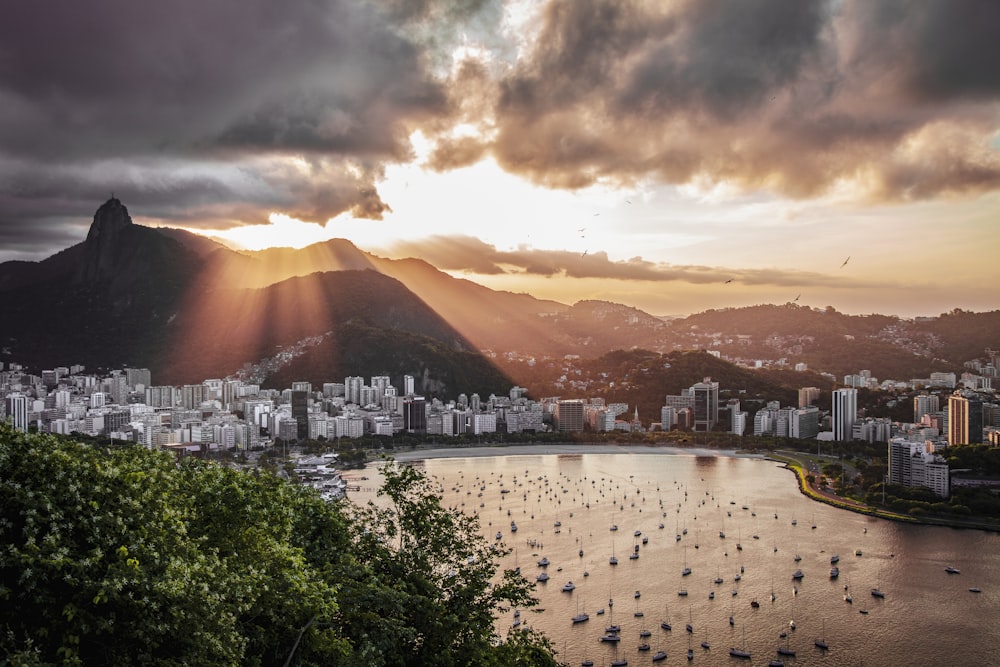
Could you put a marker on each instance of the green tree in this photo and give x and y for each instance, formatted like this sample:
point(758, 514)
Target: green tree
point(126, 556)
point(434, 592)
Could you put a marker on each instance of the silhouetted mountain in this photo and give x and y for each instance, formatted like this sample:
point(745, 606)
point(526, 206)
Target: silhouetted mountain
point(103, 302)
point(170, 301)
point(189, 308)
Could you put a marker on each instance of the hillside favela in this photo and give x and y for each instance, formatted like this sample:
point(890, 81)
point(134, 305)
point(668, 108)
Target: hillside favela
point(500, 333)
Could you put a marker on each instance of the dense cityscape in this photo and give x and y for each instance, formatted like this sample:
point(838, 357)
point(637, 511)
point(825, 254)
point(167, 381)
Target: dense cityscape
point(236, 415)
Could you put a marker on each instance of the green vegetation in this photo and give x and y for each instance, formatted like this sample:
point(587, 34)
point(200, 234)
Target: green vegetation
point(125, 556)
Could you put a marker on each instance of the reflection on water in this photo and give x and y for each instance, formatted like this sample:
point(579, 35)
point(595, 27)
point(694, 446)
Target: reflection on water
point(742, 528)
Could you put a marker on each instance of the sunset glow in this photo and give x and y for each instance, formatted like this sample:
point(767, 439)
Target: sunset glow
point(646, 152)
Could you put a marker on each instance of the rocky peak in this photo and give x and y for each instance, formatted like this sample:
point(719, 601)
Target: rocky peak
point(110, 219)
point(103, 240)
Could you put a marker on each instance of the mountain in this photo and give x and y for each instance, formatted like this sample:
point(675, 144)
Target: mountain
point(490, 319)
point(170, 301)
point(189, 308)
point(841, 344)
point(101, 302)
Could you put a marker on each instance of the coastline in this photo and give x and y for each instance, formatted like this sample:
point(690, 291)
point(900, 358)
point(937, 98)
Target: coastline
point(788, 462)
point(829, 498)
point(551, 449)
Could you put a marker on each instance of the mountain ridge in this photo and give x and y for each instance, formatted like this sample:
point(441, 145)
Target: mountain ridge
point(145, 296)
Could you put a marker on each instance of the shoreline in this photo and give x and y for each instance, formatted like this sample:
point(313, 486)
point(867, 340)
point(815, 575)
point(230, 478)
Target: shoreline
point(551, 449)
point(795, 466)
point(788, 462)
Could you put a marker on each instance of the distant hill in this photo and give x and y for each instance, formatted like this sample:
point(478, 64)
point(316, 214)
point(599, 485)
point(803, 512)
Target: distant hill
point(837, 343)
point(642, 378)
point(189, 308)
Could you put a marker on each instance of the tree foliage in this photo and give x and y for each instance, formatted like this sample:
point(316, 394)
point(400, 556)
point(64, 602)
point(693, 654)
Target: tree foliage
point(125, 556)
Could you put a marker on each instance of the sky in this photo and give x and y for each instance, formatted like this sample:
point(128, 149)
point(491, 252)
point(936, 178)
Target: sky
point(673, 156)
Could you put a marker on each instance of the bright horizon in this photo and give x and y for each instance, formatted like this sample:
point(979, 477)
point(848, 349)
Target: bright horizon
point(671, 156)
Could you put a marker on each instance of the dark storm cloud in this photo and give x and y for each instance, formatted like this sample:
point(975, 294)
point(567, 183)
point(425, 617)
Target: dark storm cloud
point(218, 113)
point(465, 253)
point(195, 110)
point(124, 77)
point(941, 50)
point(782, 95)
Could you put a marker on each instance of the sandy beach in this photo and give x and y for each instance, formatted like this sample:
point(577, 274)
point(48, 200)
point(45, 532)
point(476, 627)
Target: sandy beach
point(569, 448)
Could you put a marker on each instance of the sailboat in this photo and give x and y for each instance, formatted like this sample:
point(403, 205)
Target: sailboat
point(580, 616)
point(786, 649)
point(741, 652)
point(821, 642)
point(877, 591)
point(686, 571)
point(666, 619)
point(613, 560)
point(643, 634)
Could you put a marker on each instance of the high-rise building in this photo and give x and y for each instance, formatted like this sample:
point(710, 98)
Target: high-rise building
point(332, 389)
point(415, 414)
point(965, 419)
point(925, 404)
point(136, 377)
point(408, 385)
point(668, 417)
point(160, 397)
point(300, 413)
point(17, 408)
point(352, 389)
point(706, 404)
point(738, 423)
point(380, 383)
point(844, 413)
point(808, 396)
point(911, 465)
point(677, 402)
point(804, 423)
point(230, 392)
point(569, 415)
point(192, 395)
point(117, 388)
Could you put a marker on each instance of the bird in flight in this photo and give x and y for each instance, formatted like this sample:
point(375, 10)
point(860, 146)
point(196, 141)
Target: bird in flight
point(584, 253)
point(845, 261)
point(729, 281)
point(796, 298)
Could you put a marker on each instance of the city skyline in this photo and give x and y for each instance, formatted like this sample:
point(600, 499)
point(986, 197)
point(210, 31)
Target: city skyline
point(671, 156)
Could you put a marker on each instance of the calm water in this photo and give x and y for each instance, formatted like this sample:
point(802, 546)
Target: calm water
point(927, 616)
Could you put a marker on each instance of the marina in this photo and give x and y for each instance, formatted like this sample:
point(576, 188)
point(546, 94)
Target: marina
point(774, 601)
